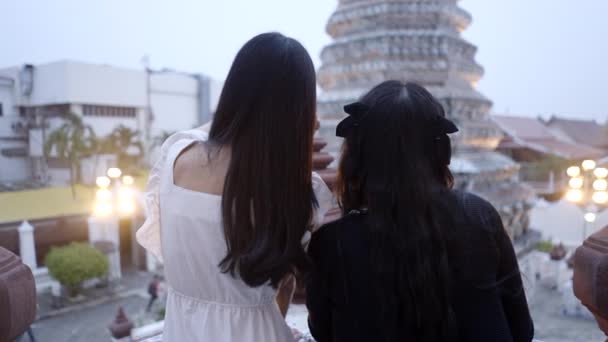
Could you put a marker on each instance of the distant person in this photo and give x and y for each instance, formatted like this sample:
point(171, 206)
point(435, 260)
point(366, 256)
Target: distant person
point(411, 260)
point(153, 288)
point(233, 208)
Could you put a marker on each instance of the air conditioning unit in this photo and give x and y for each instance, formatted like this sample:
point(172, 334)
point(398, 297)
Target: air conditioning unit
point(19, 127)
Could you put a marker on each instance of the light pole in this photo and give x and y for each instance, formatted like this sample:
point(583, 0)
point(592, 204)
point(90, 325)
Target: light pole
point(588, 189)
point(114, 199)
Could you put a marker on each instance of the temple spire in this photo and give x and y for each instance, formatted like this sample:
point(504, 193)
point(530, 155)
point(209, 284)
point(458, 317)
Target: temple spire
point(419, 41)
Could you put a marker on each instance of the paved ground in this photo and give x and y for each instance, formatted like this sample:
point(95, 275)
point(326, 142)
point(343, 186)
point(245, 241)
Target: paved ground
point(132, 280)
point(563, 221)
point(88, 324)
point(552, 326)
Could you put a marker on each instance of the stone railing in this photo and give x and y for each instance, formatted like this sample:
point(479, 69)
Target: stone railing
point(17, 296)
point(591, 276)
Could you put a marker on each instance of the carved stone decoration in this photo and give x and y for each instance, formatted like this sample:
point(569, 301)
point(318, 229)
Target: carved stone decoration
point(122, 326)
point(420, 41)
point(590, 280)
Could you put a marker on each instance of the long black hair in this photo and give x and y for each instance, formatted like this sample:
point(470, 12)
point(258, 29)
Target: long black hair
point(395, 156)
point(266, 115)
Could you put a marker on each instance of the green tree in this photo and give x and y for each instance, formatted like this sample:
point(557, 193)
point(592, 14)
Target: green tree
point(125, 144)
point(71, 142)
point(160, 139)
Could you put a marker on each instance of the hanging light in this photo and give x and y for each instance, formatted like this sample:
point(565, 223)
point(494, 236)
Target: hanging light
point(600, 185)
point(590, 217)
point(102, 182)
point(574, 195)
point(573, 171)
point(126, 207)
point(600, 197)
point(127, 180)
point(576, 182)
point(601, 172)
point(114, 172)
point(103, 194)
point(588, 164)
point(102, 209)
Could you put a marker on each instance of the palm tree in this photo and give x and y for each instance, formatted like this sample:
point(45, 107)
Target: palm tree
point(160, 139)
point(125, 144)
point(71, 142)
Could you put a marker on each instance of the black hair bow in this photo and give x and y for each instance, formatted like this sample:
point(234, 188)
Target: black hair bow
point(356, 112)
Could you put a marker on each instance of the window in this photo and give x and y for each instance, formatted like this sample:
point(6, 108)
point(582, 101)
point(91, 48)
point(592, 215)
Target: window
point(111, 111)
point(1, 112)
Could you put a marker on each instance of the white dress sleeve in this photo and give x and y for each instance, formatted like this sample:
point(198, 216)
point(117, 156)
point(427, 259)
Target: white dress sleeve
point(148, 235)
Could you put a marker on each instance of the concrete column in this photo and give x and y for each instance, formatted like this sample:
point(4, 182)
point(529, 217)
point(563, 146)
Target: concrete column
point(104, 229)
point(107, 229)
point(151, 262)
point(27, 247)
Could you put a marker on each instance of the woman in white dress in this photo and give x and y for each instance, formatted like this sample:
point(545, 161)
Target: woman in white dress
point(230, 210)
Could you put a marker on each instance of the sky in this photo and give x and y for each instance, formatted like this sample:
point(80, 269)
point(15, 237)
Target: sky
point(541, 57)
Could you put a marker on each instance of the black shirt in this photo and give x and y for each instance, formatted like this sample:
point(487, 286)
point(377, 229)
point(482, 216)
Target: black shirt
point(488, 299)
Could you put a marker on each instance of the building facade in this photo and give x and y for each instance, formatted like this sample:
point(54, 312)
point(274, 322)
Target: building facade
point(152, 102)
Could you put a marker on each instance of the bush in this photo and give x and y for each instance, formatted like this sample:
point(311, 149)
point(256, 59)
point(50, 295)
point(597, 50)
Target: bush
point(73, 264)
point(544, 246)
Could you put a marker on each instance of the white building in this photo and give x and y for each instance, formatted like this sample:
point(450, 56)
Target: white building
point(32, 97)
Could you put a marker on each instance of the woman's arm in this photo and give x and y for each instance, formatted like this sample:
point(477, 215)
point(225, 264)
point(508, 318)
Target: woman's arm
point(285, 293)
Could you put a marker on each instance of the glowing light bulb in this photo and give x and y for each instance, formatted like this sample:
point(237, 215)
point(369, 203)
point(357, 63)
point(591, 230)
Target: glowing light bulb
point(573, 171)
point(600, 197)
point(114, 172)
point(590, 217)
point(103, 194)
point(102, 182)
point(574, 195)
point(576, 182)
point(588, 164)
point(600, 185)
point(126, 207)
point(125, 193)
point(127, 180)
point(601, 172)
point(102, 209)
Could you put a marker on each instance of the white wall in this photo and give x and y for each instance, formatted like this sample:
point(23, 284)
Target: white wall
point(76, 82)
point(103, 125)
point(104, 85)
point(174, 101)
point(12, 169)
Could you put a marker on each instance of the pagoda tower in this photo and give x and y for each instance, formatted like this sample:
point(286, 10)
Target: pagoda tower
point(420, 41)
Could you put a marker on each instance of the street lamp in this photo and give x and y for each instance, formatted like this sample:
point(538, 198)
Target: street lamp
point(115, 198)
point(588, 189)
point(114, 195)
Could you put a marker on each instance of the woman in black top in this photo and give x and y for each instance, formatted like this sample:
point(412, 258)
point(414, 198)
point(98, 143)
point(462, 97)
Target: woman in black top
point(411, 260)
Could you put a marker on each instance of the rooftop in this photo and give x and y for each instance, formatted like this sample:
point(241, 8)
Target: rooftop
point(532, 133)
point(587, 132)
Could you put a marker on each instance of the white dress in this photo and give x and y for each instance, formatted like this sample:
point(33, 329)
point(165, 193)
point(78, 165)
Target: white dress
point(183, 230)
